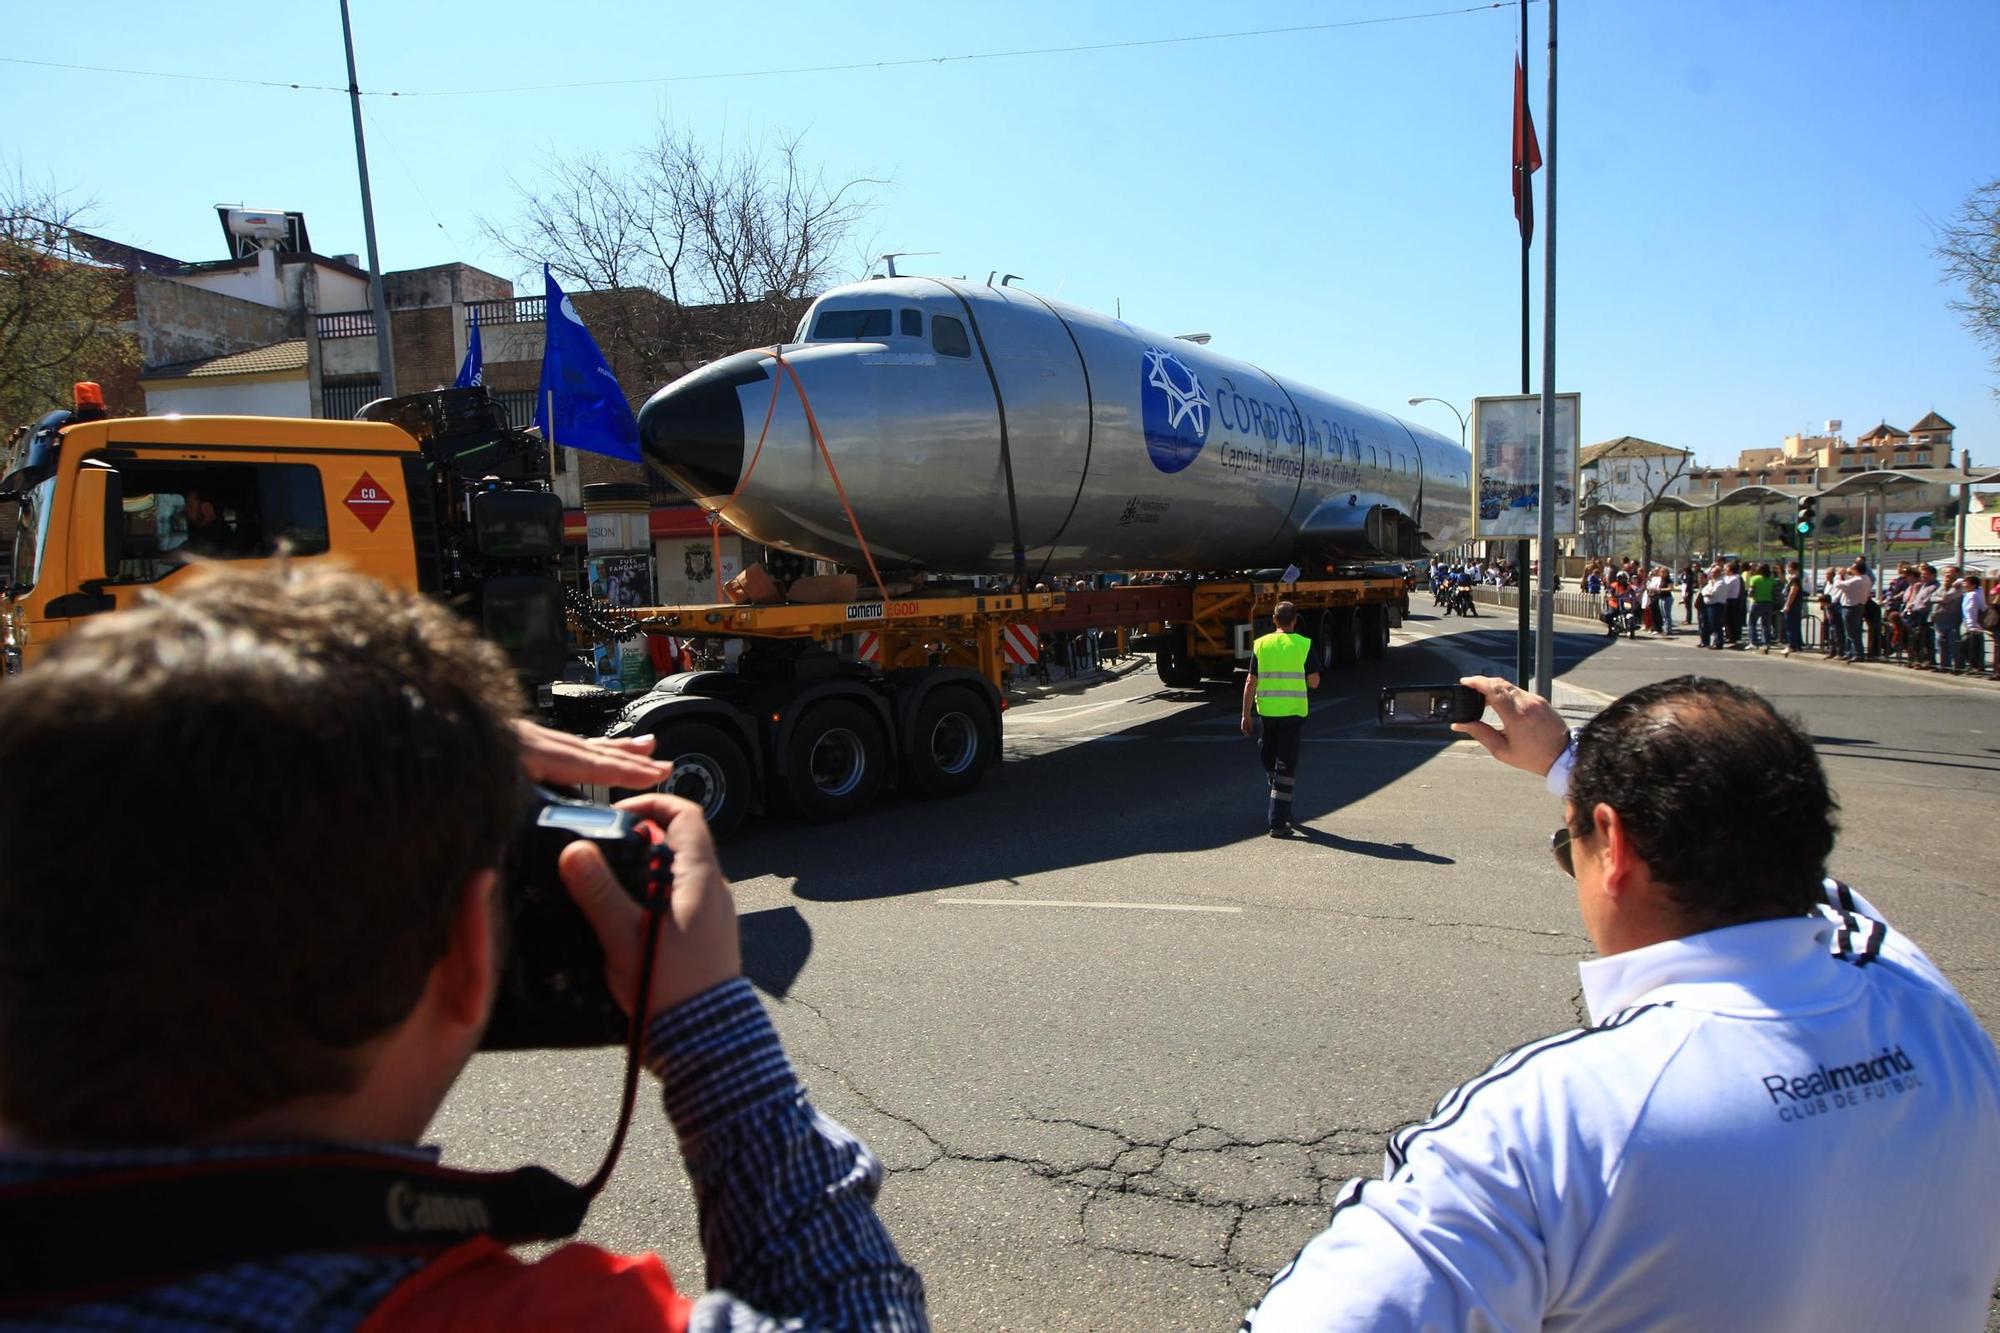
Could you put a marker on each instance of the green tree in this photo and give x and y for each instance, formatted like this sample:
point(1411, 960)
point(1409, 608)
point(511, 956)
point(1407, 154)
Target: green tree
point(1969, 245)
point(62, 317)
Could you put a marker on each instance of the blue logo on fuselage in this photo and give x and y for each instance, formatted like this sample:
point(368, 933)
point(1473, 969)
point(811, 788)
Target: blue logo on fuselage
point(1174, 409)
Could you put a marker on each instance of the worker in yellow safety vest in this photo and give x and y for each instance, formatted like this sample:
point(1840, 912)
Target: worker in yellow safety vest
point(1277, 688)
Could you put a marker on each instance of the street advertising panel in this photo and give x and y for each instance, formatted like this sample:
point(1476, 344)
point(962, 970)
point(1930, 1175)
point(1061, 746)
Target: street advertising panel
point(1910, 529)
point(623, 581)
point(1507, 466)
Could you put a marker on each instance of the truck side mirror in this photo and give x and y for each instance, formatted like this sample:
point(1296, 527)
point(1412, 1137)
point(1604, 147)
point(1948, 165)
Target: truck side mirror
point(97, 524)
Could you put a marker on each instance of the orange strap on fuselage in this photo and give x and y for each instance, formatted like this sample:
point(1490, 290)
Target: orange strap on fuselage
point(480, 1285)
point(783, 369)
point(715, 515)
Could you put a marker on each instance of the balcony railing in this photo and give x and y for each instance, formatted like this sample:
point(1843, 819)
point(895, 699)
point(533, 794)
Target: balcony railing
point(347, 324)
point(514, 310)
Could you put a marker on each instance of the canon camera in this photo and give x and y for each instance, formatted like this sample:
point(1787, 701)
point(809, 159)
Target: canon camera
point(552, 988)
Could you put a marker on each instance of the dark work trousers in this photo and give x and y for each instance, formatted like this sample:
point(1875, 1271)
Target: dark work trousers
point(1278, 747)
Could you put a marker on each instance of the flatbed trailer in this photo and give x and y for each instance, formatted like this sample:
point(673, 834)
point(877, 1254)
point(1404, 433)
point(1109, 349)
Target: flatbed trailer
point(810, 722)
point(1202, 628)
point(803, 723)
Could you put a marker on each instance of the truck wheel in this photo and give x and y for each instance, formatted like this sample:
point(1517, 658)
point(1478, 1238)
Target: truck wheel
point(710, 769)
point(1374, 631)
point(951, 743)
point(834, 761)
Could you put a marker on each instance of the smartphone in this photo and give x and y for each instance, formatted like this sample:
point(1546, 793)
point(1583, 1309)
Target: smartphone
point(1428, 705)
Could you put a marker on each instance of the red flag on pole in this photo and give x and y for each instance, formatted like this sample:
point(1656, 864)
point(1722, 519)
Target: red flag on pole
point(1527, 155)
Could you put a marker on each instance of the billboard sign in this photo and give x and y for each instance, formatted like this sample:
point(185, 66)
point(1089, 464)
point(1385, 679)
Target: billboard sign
point(1909, 529)
point(1507, 466)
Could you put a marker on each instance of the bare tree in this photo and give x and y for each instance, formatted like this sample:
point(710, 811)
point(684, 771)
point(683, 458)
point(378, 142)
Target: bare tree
point(1969, 245)
point(1656, 473)
point(63, 317)
point(690, 250)
point(1628, 466)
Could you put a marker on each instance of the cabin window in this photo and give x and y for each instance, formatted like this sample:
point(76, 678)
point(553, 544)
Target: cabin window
point(913, 324)
point(948, 336)
point(834, 324)
point(255, 506)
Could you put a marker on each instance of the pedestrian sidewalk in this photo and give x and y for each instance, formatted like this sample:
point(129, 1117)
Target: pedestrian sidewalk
point(1686, 636)
point(1082, 680)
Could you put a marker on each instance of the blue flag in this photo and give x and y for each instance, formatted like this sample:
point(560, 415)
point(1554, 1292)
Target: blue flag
point(579, 404)
point(473, 371)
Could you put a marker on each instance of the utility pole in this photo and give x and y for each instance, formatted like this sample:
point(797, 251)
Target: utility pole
point(1523, 633)
point(384, 359)
point(1545, 632)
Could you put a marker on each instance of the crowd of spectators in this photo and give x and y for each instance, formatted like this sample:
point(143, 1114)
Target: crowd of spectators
point(1926, 618)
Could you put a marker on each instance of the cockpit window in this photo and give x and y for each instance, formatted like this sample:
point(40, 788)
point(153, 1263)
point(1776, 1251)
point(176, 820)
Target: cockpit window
point(851, 324)
point(948, 336)
point(913, 323)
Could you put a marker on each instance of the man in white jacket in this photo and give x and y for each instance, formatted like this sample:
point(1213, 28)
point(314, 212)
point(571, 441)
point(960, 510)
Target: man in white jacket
point(1781, 1115)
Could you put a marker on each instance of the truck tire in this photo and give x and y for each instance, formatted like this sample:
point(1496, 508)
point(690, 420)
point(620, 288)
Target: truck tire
point(710, 769)
point(835, 761)
point(1177, 670)
point(1374, 631)
point(951, 743)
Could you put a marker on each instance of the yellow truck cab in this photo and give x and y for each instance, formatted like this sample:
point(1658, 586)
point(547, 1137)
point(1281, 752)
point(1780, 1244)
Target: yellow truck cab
point(112, 508)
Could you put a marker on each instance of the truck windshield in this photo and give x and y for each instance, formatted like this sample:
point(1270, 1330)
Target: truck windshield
point(32, 536)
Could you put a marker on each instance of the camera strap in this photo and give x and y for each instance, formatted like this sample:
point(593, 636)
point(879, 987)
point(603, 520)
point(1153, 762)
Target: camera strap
point(94, 1235)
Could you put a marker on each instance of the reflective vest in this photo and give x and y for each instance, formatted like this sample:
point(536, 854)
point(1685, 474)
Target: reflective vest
point(1281, 674)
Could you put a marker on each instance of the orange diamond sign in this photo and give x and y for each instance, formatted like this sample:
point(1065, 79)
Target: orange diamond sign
point(369, 502)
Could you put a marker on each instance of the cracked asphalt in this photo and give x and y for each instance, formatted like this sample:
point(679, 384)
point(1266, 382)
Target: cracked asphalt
point(1099, 1117)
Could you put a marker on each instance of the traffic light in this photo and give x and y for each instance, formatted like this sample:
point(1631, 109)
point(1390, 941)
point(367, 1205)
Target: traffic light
point(1808, 505)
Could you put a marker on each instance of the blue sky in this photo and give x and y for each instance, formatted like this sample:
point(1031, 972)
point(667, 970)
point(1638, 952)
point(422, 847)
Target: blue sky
point(1747, 190)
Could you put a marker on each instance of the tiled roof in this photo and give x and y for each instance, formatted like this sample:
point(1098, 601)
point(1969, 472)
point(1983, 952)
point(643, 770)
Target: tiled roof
point(1626, 446)
point(1932, 421)
point(1885, 431)
point(276, 358)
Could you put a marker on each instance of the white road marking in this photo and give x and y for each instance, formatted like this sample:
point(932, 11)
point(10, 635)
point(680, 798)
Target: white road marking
point(1063, 902)
point(1473, 664)
point(1070, 713)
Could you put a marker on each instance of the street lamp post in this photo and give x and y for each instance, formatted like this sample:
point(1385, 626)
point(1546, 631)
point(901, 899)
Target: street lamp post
point(1454, 411)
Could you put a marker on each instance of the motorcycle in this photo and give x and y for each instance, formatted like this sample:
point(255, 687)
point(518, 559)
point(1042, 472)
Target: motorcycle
point(1624, 618)
point(1460, 601)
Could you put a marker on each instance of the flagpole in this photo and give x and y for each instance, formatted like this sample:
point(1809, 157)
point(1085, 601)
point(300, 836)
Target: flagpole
point(1524, 181)
point(1545, 643)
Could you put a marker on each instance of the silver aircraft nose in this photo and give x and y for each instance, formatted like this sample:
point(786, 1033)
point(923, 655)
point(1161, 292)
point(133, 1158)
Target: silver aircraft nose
point(692, 430)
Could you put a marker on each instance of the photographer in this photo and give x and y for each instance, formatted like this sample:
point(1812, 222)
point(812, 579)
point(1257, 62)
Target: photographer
point(1780, 1116)
point(296, 1002)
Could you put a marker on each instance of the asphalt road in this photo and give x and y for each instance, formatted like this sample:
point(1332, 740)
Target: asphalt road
point(1118, 1048)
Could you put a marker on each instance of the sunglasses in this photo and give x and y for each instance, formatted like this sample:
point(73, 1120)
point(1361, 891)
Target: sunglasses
point(1559, 847)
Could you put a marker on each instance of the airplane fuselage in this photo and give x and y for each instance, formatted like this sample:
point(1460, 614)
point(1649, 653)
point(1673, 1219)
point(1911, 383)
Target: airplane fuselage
point(965, 421)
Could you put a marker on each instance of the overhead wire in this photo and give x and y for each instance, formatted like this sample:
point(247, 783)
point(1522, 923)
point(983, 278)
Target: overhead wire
point(1018, 53)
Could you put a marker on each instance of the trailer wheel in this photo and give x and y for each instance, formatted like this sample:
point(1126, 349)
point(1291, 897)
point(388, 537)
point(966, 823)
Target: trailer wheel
point(1177, 670)
point(1374, 631)
point(950, 744)
point(710, 769)
point(834, 761)
point(1344, 637)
